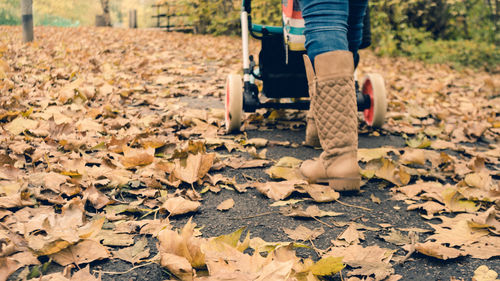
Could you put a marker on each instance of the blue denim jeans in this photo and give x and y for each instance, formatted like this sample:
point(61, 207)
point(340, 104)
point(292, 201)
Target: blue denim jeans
point(332, 25)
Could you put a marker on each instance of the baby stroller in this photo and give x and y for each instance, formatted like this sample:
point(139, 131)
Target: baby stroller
point(282, 72)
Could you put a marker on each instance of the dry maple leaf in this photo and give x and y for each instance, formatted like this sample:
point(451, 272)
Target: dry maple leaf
point(438, 250)
point(85, 251)
point(194, 167)
point(351, 235)
point(135, 253)
point(459, 234)
point(368, 261)
point(183, 244)
point(321, 193)
point(133, 157)
point(486, 247)
point(303, 233)
point(278, 190)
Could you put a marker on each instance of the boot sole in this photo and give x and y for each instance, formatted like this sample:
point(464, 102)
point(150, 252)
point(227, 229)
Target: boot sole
point(342, 184)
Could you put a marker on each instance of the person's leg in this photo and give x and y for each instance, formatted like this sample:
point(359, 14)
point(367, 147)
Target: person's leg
point(357, 12)
point(333, 99)
point(325, 30)
point(325, 25)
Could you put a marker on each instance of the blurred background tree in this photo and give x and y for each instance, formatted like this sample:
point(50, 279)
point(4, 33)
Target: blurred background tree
point(461, 32)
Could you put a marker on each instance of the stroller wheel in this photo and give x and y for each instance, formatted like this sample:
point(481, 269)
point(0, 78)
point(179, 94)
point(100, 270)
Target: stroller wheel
point(234, 102)
point(374, 87)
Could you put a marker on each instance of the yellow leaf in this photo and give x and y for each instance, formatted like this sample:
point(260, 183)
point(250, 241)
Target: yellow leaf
point(483, 273)
point(327, 266)
point(21, 124)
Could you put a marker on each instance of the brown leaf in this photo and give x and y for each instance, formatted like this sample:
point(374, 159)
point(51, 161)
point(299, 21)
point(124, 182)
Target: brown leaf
point(135, 253)
point(397, 238)
point(287, 168)
point(321, 193)
point(133, 157)
point(485, 248)
point(414, 156)
point(85, 251)
point(21, 124)
point(178, 206)
point(483, 273)
point(178, 265)
point(311, 211)
point(303, 233)
point(226, 205)
point(488, 219)
point(97, 198)
point(351, 235)
point(84, 275)
point(194, 167)
point(430, 207)
point(437, 250)
point(7, 267)
point(278, 190)
point(369, 154)
point(183, 244)
point(111, 238)
point(459, 234)
point(368, 261)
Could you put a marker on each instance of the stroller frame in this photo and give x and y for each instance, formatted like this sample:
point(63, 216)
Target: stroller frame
point(283, 75)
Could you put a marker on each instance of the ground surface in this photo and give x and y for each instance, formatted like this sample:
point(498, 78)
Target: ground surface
point(97, 123)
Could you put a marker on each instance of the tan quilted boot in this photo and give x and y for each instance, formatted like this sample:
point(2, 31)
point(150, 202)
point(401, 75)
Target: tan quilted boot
point(333, 106)
point(312, 138)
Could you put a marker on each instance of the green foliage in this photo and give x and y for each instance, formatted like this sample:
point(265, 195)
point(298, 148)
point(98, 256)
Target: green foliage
point(222, 17)
point(10, 12)
point(458, 53)
point(462, 33)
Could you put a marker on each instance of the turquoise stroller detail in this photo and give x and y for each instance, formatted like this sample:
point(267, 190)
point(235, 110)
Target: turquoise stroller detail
point(282, 72)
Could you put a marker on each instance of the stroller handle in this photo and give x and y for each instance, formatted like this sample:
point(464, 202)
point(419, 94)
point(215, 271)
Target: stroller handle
point(246, 6)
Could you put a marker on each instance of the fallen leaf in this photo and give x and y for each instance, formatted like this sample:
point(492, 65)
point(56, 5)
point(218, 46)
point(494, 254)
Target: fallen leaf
point(286, 202)
point(327, 266)
point(483, 273)
point(226, 205)
point(437, 250)
point(351, 235)
point(194, 167)
point(371, 260)
point(303, 233)
point(369, 154)
point(133, 157)
point(85, 251)
point(135, 253)
point(309, 212)
point(321, 193)
point(178, 206)
point(397, 238)
point(459, 234)
point(97, 198)
point(278, 190)
point(84, 275)
point(375, 199)
point(21, 124)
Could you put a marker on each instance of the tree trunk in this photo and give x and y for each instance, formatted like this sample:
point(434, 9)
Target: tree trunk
point(27, 18)
point(106, 13)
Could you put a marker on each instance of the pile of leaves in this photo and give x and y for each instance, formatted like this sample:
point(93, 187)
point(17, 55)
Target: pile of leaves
point(99, 151)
